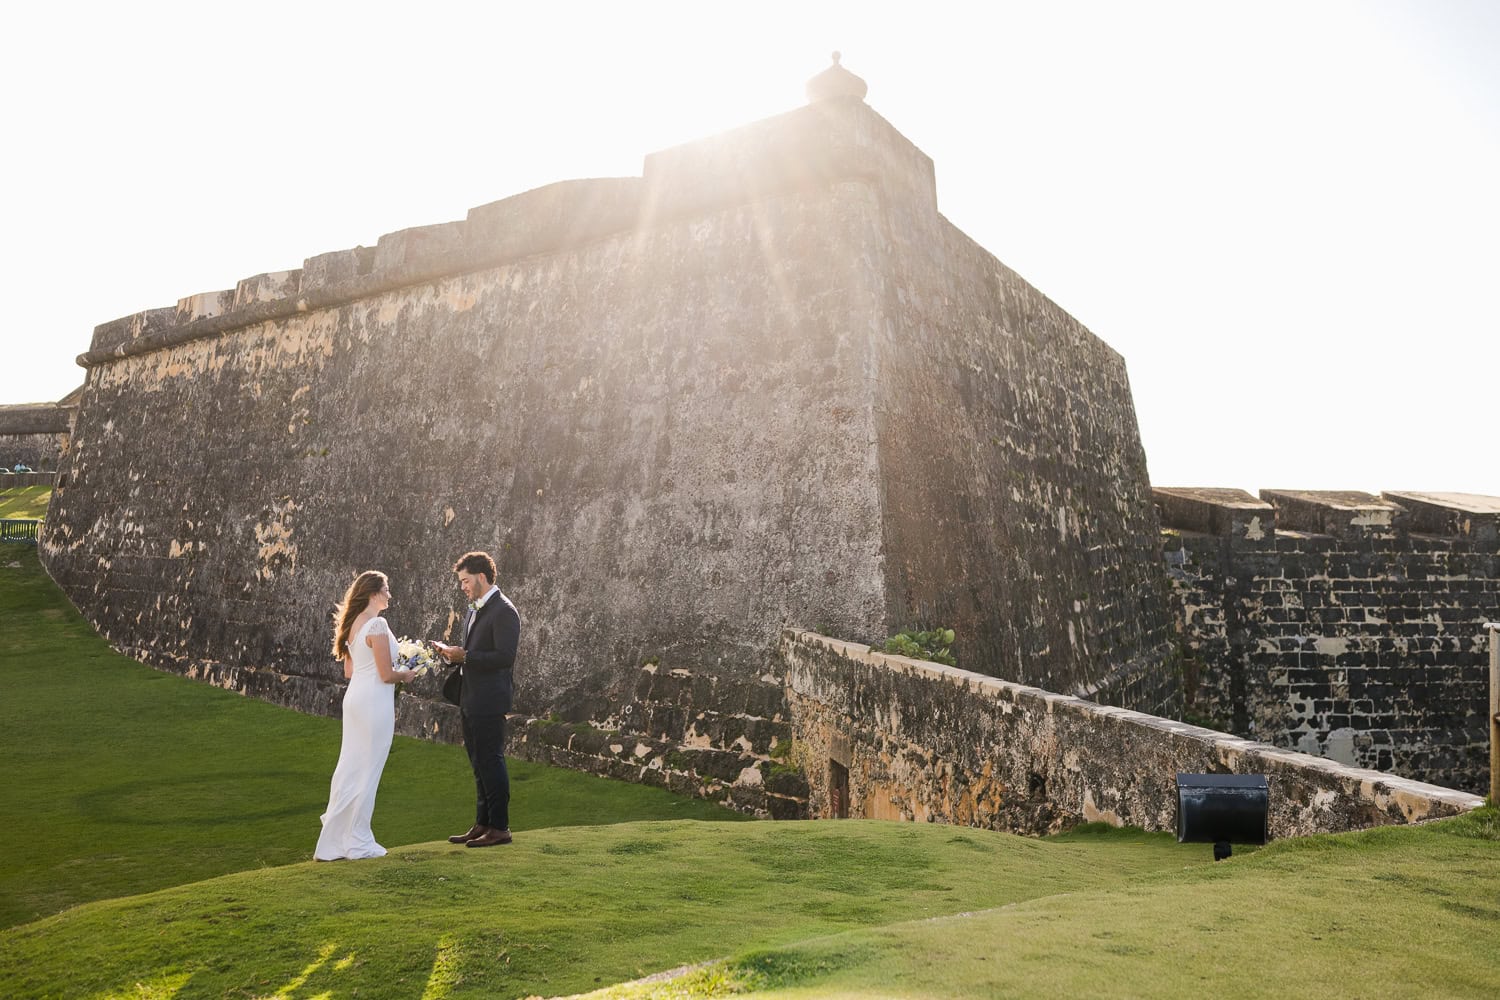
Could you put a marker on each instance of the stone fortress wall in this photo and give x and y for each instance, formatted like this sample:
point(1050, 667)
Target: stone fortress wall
point(36, 434)
point(764, 384)
point(1340, 623)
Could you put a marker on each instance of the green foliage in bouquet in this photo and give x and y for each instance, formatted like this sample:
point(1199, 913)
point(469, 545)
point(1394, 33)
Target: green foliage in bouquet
point(935, 645)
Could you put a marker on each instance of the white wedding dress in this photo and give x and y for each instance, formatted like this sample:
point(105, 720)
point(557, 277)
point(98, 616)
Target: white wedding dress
point(369, 723)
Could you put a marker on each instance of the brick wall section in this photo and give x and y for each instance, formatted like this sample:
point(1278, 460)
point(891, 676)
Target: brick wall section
point(1340, 623)
point(925, 742)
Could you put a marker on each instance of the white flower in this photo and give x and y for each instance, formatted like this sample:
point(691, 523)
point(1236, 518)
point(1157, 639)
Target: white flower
point(414, 654)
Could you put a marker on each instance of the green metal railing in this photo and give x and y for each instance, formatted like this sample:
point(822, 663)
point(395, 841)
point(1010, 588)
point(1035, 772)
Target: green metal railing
point(19, 531)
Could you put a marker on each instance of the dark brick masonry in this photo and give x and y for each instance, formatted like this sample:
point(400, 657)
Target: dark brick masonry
point(1340, 623)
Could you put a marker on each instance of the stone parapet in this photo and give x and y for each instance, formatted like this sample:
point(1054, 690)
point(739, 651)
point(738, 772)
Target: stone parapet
point(1250, 522)
point(1226, 513)
point(35, 435)
point(17, 479)
point(35, 418)
point(1459, 515)
point(920, 741)
point(555, 217)
point(1341, 513)
point(760, 787)
point(836, 140)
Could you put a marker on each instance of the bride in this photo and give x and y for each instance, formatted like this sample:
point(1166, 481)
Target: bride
point(363, 640)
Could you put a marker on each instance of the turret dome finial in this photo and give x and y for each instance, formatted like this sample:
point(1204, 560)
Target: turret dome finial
point(835, 81)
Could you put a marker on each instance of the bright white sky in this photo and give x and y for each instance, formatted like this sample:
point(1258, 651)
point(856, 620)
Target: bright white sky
point(1285, 214)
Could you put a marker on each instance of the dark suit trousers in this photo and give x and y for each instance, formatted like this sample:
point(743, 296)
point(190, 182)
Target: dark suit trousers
point(484, 738)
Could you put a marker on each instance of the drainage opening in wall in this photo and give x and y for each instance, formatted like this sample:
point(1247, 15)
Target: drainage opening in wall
point(838, 790)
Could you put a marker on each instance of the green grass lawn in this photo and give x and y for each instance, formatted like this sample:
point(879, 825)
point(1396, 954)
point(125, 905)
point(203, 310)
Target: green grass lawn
point(1394, 912)
point(121, 779)
point(23, 503)
point(162, 828)
point(558, 912)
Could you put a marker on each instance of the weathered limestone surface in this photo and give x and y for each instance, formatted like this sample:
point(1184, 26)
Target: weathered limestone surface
point(1015, 500)
point(925, 742)
point(1340, 623)
point(764, 383)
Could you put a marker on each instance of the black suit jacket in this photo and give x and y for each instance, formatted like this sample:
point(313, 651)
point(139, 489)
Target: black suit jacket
point(489, 656)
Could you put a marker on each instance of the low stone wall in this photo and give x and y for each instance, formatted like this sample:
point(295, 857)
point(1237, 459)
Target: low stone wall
point(734, 744)
point(920, 741)
point(34, 434)
point(712, 735)
point(19, 479)
point(35, 451)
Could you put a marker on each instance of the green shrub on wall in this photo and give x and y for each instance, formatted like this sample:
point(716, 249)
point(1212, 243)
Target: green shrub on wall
point(936, 645)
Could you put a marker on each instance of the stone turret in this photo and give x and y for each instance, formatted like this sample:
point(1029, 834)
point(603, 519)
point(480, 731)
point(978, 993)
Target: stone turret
point(835, 82)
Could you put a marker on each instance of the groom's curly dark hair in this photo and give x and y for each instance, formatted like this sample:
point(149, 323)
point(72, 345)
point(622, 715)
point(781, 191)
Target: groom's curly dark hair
point(474, 563)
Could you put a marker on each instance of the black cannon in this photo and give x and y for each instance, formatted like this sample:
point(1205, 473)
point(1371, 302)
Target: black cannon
point(1222, 809)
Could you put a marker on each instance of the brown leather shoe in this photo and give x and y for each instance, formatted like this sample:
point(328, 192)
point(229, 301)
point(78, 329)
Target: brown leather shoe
point(474, 831)
point(491, 838)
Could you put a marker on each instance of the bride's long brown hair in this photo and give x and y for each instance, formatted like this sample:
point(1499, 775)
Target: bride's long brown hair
point(356, 599)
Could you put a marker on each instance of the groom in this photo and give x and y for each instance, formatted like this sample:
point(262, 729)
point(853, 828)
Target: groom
point(485, 655)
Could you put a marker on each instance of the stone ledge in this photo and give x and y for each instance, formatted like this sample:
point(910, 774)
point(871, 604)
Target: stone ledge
point(1469, 516)
point(35, 418)
point(1341, 513)
point(1248, 522)
point(806, 149)
point(1226, 513)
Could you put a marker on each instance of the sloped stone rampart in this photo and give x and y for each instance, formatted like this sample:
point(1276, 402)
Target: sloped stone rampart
point(925, 742)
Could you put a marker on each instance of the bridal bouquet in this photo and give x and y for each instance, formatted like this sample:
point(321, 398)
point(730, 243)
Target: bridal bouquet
point(414, 654)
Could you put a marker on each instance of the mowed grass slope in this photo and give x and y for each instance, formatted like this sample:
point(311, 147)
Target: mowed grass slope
point(121, 779)
point(558, 912)
point(779, 909)
point(23, 503)
point(1394, 912)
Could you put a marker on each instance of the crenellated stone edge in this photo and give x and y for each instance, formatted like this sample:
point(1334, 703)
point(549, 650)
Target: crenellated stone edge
point(810, 148)
point(1253, 523)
